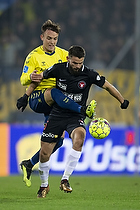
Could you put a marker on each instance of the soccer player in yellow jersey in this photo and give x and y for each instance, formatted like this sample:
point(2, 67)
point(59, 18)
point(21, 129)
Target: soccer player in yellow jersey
point(38, 60)
point(42, 58)
point(42, 98)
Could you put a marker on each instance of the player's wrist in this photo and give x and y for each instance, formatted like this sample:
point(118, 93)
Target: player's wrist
point(25, 96)
point(125, 104)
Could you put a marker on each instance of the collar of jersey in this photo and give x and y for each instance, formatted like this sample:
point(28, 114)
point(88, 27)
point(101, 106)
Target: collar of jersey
point(50, 53)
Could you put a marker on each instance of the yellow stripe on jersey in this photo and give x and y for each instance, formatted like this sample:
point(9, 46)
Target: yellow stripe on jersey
point(39, 60)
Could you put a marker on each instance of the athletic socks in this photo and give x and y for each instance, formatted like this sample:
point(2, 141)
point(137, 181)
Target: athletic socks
point(44, 173)
point(35, 159)
point(71, 163)
point(64, 101)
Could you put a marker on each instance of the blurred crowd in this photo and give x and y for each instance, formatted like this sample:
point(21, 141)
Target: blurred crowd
point(102, 27)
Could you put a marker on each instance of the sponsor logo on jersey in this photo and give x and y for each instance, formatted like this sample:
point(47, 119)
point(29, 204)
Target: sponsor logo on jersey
point(61, 85)
point(62, 80)
point(82, 84)
point(43, 63)
point(25, 70)
point(75, 97)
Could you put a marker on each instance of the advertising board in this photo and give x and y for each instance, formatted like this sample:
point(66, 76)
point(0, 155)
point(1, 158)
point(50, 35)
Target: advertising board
point(116, 154)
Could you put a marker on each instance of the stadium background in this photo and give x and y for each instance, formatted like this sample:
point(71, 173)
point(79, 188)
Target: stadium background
point(109, 32)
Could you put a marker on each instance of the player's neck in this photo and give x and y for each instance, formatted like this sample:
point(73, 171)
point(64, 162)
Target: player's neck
point(47, 51)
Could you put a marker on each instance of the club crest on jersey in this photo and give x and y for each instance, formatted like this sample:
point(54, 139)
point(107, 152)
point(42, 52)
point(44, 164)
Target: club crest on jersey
point(82, 84)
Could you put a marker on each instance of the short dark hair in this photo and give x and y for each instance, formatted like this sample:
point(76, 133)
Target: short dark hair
point(50, 25)
point(77, 51)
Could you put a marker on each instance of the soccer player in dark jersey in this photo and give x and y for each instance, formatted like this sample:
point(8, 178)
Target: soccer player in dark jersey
point(74, 79)
point(45, 93)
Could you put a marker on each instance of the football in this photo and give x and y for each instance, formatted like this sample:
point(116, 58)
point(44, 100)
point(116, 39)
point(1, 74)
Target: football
point(99, 128)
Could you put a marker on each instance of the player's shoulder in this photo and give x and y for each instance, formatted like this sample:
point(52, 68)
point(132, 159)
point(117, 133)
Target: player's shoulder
point(58, 49)
point(36, 51)
point(87, 69)
point(61, 65)
point(90, 72)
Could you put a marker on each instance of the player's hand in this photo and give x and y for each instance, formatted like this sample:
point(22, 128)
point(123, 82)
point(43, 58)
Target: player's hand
point(22, 102)
point(36, 77)
point(125, 104)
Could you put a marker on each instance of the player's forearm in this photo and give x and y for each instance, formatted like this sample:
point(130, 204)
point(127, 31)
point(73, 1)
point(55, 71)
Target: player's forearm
point(113, 91)
point(31, 88)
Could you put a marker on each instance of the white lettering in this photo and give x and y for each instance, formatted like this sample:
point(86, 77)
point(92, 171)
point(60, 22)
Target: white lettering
point(51, 135)
point(133, 158)
point(99, 158)
point(61, 85)
point(118, 158)
point(78, 97)
point(104, 152)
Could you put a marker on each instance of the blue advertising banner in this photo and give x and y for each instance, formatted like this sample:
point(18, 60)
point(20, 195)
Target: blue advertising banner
point(116, 154)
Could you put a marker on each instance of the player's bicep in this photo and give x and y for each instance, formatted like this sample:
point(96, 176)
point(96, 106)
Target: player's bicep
point(28, 68)
point(97, 79)
point(109, 87)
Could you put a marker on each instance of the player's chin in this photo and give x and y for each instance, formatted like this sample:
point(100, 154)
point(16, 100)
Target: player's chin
point(76, 73)
point(51, 48)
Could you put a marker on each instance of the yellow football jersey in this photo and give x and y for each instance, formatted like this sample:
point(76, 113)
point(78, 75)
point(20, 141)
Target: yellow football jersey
point(40, 60)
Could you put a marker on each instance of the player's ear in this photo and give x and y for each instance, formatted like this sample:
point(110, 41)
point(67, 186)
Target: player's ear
point(41, 37)
point(67, 58)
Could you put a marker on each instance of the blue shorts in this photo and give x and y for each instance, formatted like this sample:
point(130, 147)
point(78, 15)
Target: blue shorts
point(37, 103)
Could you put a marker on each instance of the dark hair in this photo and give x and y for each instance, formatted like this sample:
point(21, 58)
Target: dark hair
point(77, 51)
point(50, 26)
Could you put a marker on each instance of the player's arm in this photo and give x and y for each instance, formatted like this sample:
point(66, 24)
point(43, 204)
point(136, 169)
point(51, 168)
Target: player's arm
point(23, 101)
point(115, 93)
point(28, 68)
point(36, 79)
point(48, 73)
point(34, 83)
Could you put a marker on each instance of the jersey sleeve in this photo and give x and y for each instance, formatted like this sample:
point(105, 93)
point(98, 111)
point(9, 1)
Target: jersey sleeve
point(96, 78)
point(50, 72)
point(28, 68)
